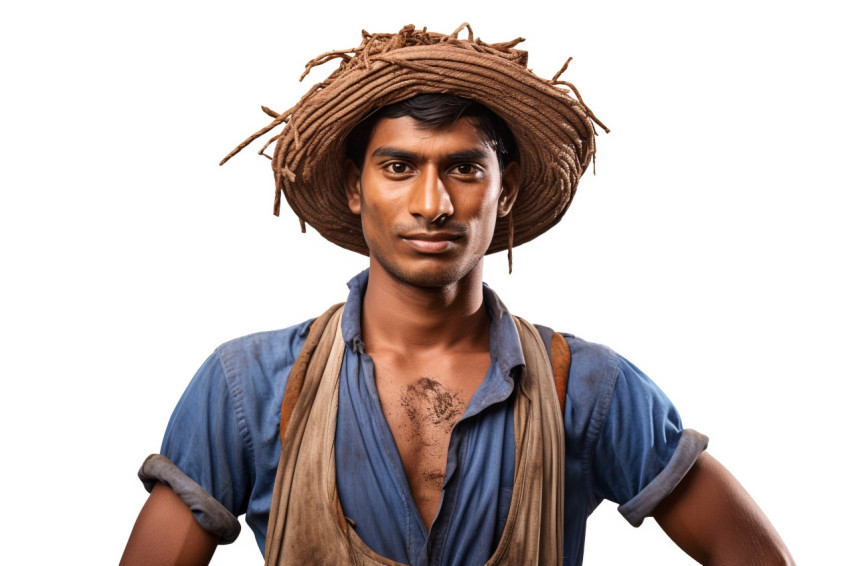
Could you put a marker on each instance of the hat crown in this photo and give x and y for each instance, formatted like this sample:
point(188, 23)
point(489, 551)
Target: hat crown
point(553, 128)
point(374, 46)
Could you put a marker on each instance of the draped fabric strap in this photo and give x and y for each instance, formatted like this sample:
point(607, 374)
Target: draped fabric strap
point(560, 351)
point(534, 530)
point(322, 348)
point(299, 369)
point(306, 525)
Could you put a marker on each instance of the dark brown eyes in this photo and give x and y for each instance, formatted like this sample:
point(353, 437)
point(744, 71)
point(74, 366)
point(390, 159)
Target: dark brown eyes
point(462, 169)
point(397, 168)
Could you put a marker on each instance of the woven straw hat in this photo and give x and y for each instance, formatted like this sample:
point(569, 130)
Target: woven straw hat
point(554, 131)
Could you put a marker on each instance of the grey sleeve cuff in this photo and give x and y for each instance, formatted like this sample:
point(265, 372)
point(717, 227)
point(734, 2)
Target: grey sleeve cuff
point(210, 514)
point(691, 445)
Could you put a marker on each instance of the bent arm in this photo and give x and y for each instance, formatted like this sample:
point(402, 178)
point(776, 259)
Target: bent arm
point(167, 534)
point(712, 518)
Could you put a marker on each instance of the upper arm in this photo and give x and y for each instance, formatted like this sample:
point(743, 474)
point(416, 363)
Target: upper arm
point(712, 518)
point(166, 533)
point(208, 441)
point(642, 450)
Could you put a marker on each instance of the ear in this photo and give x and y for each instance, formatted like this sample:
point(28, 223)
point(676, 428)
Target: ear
point(510, 187)
point(352, 186)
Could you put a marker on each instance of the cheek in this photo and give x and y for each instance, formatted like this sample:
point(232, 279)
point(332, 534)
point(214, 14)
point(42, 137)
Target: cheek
point(377, 216)
point(368, 221)
point(482, 209)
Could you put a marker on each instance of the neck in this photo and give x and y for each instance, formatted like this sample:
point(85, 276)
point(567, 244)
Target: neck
point(400, 316)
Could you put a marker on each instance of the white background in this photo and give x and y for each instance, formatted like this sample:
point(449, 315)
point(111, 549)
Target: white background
point(710, 248)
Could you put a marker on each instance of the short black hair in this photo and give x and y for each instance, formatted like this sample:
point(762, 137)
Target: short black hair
point(437, 111)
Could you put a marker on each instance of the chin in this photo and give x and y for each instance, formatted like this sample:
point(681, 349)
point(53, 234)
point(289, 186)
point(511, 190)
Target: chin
point(429, 273)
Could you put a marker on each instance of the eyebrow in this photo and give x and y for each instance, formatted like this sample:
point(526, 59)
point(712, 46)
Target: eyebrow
point(466, 155)
point(394, 153)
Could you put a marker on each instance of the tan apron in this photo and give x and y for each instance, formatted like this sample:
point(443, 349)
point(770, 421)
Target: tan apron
point(306, 525)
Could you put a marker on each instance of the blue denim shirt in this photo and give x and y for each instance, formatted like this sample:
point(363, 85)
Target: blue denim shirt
point(625, 443)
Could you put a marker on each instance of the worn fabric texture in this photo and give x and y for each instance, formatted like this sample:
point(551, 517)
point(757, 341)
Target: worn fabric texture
point(625, 441)
point(305, 525)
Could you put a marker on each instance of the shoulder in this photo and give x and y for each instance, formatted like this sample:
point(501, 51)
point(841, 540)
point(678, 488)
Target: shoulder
point(249, 375)
point(240, 386)
point(595, 370)
point(591, 361)
point(605, 389)
point(266, 352)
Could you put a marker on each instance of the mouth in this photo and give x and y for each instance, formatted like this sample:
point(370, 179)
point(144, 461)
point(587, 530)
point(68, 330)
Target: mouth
point(431, 242)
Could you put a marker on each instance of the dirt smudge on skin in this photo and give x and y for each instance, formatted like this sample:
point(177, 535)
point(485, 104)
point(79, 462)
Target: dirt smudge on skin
point(428, 404)
point(432, 410)
point(434, 478)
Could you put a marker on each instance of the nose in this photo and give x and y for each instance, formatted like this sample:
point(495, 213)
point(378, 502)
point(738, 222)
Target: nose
point(429, 198)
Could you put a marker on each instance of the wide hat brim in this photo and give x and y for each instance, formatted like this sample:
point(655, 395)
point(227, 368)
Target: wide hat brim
point(554, 132)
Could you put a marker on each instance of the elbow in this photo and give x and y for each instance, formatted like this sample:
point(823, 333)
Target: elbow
point(782, 557)
point(762, 553)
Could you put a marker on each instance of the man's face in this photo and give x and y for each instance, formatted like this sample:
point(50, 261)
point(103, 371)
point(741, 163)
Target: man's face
point(428, 199)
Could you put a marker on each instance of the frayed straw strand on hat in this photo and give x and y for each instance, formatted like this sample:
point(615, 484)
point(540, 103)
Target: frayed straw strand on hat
point(553, 127)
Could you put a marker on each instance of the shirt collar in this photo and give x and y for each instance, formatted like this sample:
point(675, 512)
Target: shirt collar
point(505, 348)
point(351, 314)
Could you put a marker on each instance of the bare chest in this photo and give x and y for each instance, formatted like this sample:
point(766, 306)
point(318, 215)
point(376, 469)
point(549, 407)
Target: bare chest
point(422, 403)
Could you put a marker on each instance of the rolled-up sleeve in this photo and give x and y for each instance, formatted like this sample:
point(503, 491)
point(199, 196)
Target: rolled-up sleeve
point(642, 452)
point(209, 513)
point(204, 456)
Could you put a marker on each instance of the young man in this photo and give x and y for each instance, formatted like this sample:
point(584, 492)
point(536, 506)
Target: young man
point(421, 423)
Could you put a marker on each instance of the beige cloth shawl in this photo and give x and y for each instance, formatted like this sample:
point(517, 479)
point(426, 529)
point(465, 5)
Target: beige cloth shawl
point(306, 524)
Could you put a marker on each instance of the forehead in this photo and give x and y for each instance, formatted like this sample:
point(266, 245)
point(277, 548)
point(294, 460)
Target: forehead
point(408, 133)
